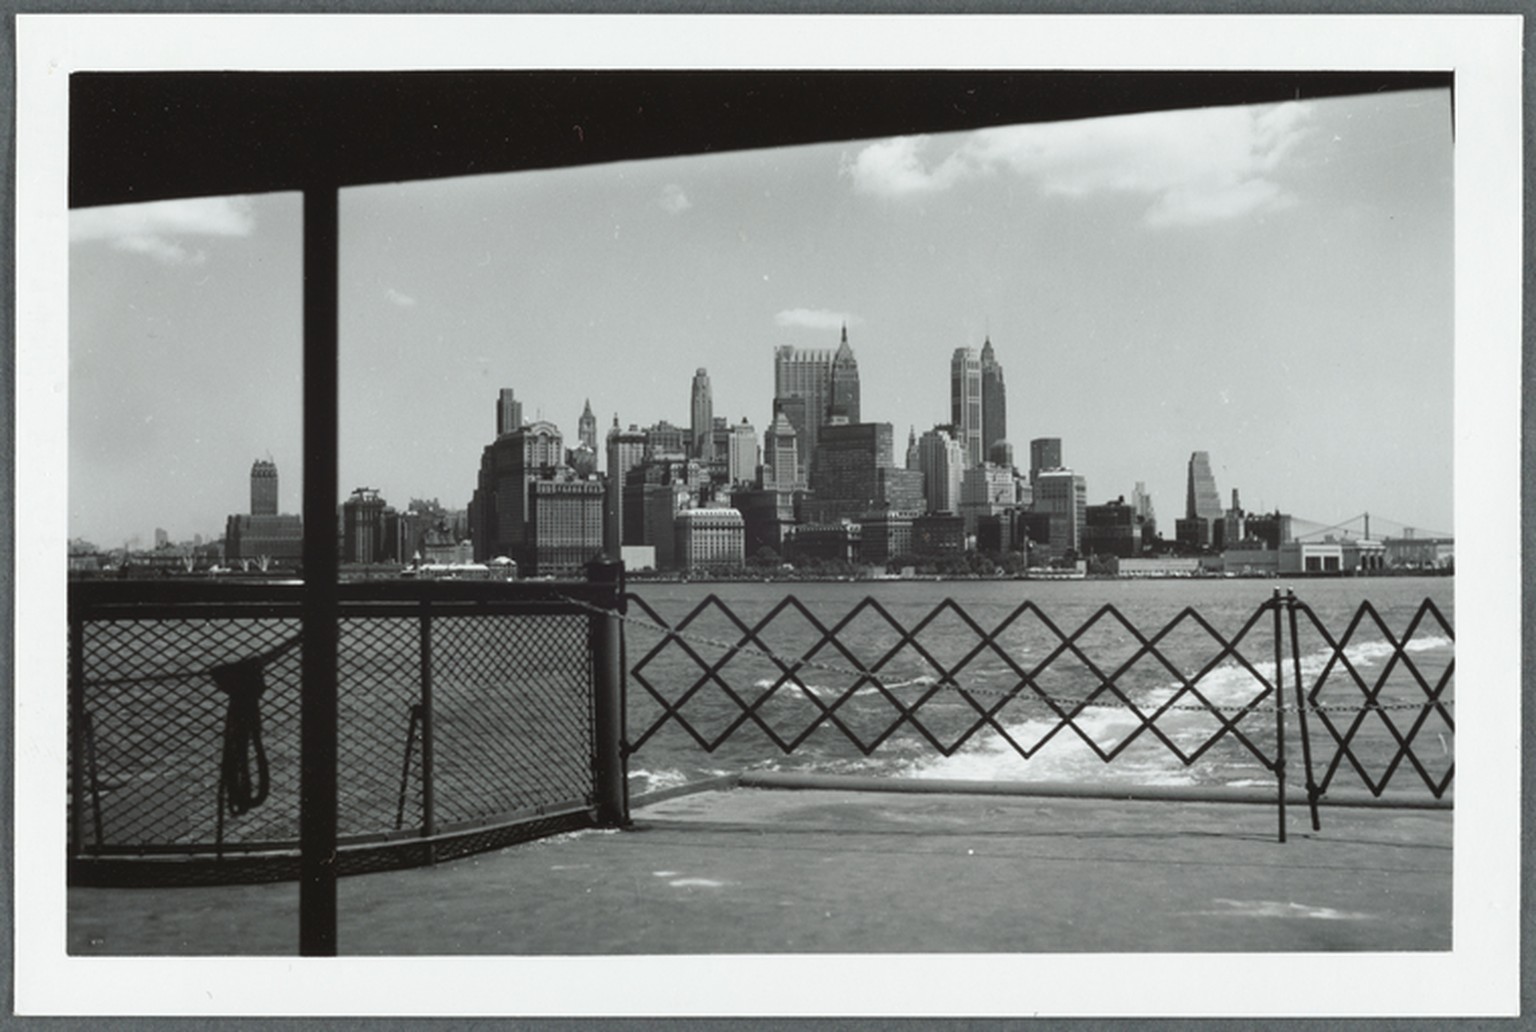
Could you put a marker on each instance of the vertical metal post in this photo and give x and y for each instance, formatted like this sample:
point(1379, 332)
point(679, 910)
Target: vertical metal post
point(605, 638)
point(318, 705)
point(1301, 715)
point(76, 734)
point(1279, 715)
point(428, 801)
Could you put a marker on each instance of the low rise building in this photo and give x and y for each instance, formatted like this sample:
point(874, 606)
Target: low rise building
point(706, 538)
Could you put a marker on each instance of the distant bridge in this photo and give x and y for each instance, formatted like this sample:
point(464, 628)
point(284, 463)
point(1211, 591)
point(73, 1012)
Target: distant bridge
point(1364, 525)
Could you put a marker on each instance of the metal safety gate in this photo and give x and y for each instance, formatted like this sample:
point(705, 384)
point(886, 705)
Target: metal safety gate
point(869, 678)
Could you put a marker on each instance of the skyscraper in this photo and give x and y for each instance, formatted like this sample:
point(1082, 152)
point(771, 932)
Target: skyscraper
point(701, 409)
point(965, 402)
point(499, 507)
point(942, 461)
point(626, 450)
point(855, 472)
point(586, 427)
point(741, 453)
point(263, 488)
point(1062, 496)
point(1044, 453)
point(843, 385)
point(813, 388)
point(994, 401)
point(781, 455)
point(1201, 498)
point(509, 412)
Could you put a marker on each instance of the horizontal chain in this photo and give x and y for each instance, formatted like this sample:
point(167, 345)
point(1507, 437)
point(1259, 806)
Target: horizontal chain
point(1037, 698)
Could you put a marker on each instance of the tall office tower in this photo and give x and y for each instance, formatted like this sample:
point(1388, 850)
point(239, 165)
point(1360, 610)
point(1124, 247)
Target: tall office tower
point(941, 459)
point(701, 417)
point(965, 402)
point(1000, 453)
point(499, 507)
point(781, 455)
point(1201, 499)
point(994, 402)
point(626, 450)
point(843, 385)
point(1044, 453)
point(741, 453)
point(1141, 502)
point(813, 388)
point(263, 488)
point(1062, 496)
point(586, 427)
point(914, 458)
point(855, 472)
point(509, 412)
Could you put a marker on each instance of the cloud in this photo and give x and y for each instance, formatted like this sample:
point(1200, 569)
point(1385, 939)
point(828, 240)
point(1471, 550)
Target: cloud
point(397, 297)
point(674, 201)
point(158, 229)
point(1192, 166)
point(816, 318)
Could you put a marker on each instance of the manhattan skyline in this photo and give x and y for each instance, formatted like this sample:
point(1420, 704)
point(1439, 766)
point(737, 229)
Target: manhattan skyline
point(1271, 285)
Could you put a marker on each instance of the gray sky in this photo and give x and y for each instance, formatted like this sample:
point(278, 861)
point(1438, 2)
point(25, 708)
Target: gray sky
point(1272, 285)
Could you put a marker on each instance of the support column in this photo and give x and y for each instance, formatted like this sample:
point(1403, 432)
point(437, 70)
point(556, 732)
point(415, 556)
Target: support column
point(318, 708)
point(609, 764)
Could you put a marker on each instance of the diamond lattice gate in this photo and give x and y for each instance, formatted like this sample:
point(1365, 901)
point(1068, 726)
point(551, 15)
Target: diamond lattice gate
point(946, 680)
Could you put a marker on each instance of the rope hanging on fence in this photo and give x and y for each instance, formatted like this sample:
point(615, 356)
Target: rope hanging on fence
point(1016, 694)
point(244, 682)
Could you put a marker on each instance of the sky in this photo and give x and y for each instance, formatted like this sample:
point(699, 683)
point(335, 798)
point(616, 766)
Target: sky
point(1272, 285)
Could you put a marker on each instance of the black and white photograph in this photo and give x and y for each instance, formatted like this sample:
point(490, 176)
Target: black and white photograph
point(768, 515)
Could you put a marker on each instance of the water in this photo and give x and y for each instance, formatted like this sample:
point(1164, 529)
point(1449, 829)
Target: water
point(985, 736)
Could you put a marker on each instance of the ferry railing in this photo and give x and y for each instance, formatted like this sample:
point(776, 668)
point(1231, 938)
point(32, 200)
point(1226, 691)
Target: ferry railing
point(1375, 704)
point(1187, 688)
point(470, 717)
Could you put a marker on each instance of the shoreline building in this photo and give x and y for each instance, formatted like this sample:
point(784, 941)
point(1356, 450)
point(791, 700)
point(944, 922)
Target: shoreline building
point(499, 508)
point(264, 532)
point(709, 537)
point(1062, 497)
point(965, 403)
point(565, 523)
point(365, 528)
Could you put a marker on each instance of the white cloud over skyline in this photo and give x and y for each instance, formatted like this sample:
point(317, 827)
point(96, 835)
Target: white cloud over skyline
point(158, 229)
point(815, 319)
point(1192, 166)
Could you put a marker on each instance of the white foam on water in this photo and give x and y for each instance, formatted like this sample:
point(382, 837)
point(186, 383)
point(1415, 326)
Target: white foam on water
point(1147, 761)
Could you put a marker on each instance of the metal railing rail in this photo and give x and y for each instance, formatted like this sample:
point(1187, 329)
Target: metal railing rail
point(1351, 738)
point(827, 652)
point(471, 714)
